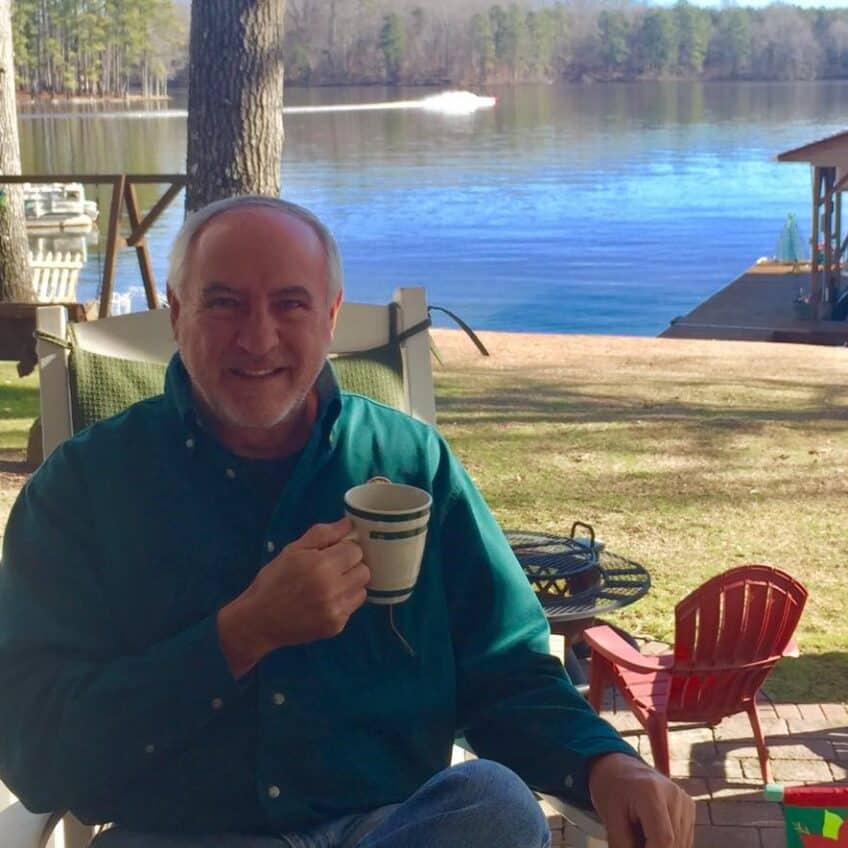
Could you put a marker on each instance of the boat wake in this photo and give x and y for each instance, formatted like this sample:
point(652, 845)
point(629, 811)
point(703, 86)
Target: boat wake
point(445, 103)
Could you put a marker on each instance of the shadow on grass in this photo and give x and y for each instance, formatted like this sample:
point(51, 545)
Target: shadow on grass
point(536, 402)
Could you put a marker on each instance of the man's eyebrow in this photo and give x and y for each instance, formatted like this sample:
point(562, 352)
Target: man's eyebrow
point(217, 288)
point(214, 288)
point(292, 291)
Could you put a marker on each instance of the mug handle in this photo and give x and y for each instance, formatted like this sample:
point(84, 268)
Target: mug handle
point(351, 536)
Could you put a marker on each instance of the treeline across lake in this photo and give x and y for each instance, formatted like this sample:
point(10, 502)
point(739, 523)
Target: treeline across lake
point(98, 47)
point(102, 47)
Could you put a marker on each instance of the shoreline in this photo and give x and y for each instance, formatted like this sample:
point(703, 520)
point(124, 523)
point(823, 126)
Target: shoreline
point(23, 98)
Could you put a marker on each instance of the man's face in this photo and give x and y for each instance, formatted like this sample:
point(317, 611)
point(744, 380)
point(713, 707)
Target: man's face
point(254, 319)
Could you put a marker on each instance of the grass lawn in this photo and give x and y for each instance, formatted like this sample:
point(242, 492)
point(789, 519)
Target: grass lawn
point(18, 409)
point(686, 456)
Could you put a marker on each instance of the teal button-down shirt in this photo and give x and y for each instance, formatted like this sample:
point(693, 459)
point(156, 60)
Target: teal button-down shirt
point(116, 701)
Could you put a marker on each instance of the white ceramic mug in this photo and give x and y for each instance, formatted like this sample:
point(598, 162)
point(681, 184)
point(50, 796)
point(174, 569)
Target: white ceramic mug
point(390, 525)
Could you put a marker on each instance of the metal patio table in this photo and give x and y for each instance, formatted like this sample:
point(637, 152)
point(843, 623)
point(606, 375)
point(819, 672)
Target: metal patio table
point(577, 580)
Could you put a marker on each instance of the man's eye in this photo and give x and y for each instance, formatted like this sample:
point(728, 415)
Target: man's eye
point(222, 303)
point(290, 304)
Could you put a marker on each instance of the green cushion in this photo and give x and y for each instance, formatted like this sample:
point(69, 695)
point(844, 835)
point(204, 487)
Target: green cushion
point(376, 373)
point(102, 386)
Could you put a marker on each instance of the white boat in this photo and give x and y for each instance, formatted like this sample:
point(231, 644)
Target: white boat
point(58, 206)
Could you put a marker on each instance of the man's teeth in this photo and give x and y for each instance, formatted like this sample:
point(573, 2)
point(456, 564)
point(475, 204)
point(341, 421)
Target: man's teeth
point(265, 372)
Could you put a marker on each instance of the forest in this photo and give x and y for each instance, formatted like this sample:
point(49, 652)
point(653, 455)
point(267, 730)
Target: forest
point(118, 47)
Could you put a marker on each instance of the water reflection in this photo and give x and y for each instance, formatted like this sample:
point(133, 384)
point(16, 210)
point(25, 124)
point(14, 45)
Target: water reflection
point(598, 207)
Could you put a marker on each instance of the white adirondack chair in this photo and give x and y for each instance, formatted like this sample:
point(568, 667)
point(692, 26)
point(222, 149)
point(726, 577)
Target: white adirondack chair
point(55, 275)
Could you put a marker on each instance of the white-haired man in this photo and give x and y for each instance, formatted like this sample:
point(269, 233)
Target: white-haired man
point(185, 650)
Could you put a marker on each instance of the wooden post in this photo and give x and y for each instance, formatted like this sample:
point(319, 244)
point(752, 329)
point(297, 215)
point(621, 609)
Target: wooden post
point(177, 185)
point(831, 282)
point(118, 183)
point(815, 282)
point(837, 229)
point(140, 245)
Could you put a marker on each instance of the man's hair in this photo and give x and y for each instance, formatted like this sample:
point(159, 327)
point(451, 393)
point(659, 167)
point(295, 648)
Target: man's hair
point(195, 222)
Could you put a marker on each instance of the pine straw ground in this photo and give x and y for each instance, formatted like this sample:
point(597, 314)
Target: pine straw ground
point(686, 456)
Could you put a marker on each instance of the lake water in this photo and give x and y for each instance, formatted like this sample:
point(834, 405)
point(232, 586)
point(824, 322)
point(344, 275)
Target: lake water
point(570, 208)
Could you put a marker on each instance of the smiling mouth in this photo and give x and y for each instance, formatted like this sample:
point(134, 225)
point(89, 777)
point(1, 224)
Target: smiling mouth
point(257, 373)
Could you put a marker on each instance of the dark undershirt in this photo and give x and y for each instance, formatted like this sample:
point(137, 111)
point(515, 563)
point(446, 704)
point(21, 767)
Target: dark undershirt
point(267, 478)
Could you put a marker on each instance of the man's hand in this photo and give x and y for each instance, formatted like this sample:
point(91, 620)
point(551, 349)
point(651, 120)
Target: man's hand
point(307, 592)
point(639, 806)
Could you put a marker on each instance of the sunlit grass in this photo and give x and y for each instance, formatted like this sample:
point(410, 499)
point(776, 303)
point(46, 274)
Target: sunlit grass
point(686, 462)
point(18, 406)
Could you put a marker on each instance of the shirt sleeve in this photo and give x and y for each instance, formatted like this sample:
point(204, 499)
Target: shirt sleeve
point(516, 704)
point(79, 720)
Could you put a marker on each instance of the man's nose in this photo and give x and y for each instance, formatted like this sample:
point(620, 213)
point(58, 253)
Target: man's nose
point(258, 333)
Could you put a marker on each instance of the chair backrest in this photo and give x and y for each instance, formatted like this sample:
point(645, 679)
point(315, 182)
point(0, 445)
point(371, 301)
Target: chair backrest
point(96, 368)
point(729, 633)
point(55, 275)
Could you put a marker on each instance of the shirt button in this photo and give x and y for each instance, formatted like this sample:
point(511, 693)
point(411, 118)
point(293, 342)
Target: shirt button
point(270, 546)
point(230, 473)
point(149, 749)
point(217, 703)
point(189, 443)
point(568, 782)
point(278, 698)
point(273, 791)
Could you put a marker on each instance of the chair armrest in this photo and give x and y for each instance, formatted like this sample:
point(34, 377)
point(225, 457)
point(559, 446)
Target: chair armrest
point(620, 652)
point(586, 820)
point(791, 649)
point(19, 828)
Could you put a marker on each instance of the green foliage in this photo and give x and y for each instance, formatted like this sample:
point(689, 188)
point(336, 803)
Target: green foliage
point(393, 45)
point(92, 47)
point(654, 45)
point(693, 33)
point(613, 32)
point(731, 48)
point(482, 46)
point(96, 46)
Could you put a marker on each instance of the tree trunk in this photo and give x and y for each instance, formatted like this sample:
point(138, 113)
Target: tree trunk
point(235, 99)
point(15, 281)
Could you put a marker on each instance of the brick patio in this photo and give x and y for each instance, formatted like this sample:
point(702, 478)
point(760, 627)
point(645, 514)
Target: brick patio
point(718, 766)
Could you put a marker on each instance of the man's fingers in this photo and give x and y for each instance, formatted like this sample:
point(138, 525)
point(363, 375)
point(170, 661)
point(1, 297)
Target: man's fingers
point(320, 536)
point(686, 822)
point(621, 833)
point(658, 829)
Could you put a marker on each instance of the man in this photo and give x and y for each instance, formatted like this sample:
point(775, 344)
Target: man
point(184, 644)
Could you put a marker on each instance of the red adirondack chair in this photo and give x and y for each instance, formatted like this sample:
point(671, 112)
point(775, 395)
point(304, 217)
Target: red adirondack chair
point(729, 633)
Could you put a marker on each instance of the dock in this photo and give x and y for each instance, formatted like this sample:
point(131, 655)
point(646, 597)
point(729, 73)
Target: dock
point(759, 305)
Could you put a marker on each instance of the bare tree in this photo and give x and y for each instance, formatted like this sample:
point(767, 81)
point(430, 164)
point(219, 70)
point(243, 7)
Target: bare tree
point(235, 101)
point(15, 284)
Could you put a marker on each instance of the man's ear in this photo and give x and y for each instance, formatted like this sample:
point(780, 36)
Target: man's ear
point(334, 310)
point(174, 308)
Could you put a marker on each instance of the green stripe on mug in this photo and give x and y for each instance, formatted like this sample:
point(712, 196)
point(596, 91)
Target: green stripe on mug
point(387, 516)
point(400, 534)
point(393, 593)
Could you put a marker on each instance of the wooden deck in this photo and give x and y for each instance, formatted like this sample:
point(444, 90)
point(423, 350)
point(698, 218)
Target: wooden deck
point(758, 306)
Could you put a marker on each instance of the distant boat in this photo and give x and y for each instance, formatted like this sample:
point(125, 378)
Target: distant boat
point(58, 206)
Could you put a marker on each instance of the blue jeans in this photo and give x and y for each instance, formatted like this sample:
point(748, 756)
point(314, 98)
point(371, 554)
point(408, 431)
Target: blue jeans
point(478, 804)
